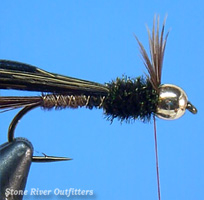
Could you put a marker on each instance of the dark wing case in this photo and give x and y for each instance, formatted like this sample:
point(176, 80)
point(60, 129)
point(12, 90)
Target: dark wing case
point(20, 76)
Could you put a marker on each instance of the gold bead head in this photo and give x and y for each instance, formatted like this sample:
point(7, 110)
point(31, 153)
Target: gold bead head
point(173, 102)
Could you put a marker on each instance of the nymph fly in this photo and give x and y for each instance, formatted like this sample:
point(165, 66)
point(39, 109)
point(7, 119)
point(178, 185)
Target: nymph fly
point(124, 98)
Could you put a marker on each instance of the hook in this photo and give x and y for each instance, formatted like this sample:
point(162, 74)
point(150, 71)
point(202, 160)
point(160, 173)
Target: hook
point(11, 130)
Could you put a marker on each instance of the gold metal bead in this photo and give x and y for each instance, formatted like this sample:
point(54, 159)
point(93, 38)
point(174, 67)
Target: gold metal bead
point(173, 102)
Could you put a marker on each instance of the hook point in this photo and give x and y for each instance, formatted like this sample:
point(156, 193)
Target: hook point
point(46, 158)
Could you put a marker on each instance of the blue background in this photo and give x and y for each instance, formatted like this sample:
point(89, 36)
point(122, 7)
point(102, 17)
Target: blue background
point(93, 40)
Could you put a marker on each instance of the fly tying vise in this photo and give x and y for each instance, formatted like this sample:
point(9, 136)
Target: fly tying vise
point(124, 98)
